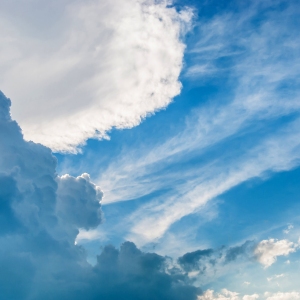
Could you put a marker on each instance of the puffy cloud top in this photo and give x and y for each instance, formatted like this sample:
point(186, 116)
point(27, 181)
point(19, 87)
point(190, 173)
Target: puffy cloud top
point(228, 295)
point(85, 67)
point(268, 250)
point(40, 217)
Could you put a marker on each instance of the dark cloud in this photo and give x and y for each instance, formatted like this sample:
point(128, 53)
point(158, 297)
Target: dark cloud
point(129, 273)
point(244, 250)
point(40, 217)
point(192, 260)
point(212, 260)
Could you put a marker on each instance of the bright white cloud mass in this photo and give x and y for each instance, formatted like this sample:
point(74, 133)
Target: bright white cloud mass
point(268, 250)
point(198, 199)
point(96, 65)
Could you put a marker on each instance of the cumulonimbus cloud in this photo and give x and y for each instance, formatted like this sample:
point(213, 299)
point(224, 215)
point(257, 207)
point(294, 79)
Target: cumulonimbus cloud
point(40, 216)
point(77, 70)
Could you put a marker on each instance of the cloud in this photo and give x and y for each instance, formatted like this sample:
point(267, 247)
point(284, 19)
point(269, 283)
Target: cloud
point(267, 251)
point(228, 295)
point(129, 273)
point(37, 241)
point(225, 295)
point(289, 228)
point(78, 201)
point(85, 67)
point(41, 215)
point(282, 296)
point(188, 169)
point(275, 277)
point(152, 220)
point(250, 297)
point(235, 252)
point(210, 265)
point(190, 261)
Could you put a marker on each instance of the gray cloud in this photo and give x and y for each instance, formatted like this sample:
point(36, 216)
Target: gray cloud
point(210, 261)
point(192, 260)
point(244, 250)
point(129, 273)
point(41, 214)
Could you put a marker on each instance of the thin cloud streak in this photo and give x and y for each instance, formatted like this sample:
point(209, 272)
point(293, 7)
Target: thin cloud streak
point(260, 95)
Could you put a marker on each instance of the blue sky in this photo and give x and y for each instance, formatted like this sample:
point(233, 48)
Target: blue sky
point(171, 125)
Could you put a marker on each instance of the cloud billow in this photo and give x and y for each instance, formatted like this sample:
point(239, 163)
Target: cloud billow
point(41, 214)
point(85, 67)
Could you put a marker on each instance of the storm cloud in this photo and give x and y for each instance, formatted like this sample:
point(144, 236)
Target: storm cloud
point(41, 214)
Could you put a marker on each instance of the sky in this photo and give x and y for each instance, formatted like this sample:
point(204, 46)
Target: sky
point(149, 149)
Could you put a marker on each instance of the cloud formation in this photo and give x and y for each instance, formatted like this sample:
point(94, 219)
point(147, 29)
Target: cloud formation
point(282, 296)
point(209, 265)
point(228, 295)
point(187, 167)
point(80, 73)
point(40, 217)
point(267, 251)
point(41, 214)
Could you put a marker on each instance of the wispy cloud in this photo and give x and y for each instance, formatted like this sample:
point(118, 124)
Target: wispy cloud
point(258, 78)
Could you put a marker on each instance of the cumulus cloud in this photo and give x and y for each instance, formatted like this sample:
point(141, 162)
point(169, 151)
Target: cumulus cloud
point(41, 214)
point(129, 273)
point(85, 67)
point(251, 297)
point(282, 296)
point(228, 295)
point(208, 265)
point(267, 251)
point(225, 295)
point(37, 241)
point(78, 195)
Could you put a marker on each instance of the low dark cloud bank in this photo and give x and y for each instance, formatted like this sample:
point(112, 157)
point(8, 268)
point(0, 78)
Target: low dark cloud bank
point(216, 259)
point(40, 214)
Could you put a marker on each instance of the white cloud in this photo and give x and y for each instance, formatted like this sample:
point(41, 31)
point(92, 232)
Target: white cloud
point(92, 234)
point(225, 295)
point(83, 67)
point(251, 297)
point(289, 228)
point(267, 251)
point(275, 277)
point(210, 295)
point(152, 220)
point(228, 295)
point(283, 296)
point(259, 75)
